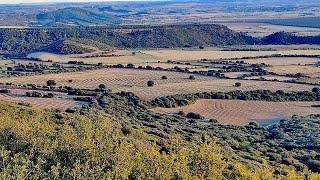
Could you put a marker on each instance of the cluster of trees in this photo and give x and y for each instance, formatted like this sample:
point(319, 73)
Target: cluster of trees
point(39, 94)
point(256, 95)
point(155, 36)
point(249, 143)
point(53, 145)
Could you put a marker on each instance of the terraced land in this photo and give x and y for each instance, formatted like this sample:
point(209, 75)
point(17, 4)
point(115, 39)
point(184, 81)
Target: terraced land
point(237, 112)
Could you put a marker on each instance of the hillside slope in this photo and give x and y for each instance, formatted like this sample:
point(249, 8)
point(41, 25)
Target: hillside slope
point(23, 41)
point(19, 42)
point(37, 144)
point(285, 38)
point(75, 16)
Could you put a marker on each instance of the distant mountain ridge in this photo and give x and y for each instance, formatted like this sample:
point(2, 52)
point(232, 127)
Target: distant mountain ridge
point(70, 40)
point(24, 41)
point(75, 16)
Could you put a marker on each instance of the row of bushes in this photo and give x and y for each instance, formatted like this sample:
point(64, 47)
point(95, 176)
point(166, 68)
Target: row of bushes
point(39, 94)
point(256, 95)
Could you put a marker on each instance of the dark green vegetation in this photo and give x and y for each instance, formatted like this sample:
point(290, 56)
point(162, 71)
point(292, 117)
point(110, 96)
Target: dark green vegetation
point(301, 22)
point(23, 41)
point(94, 145)
point(68, 47)
point(75, 16)
point(281, 38)
point(257, 95)
point(291, 143)
point(19, 42)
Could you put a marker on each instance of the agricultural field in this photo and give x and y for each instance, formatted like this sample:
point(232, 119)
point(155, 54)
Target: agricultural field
point(60, 101)
point(284, 61)
point(136, 81)
point(308, 70)
point(237, 112)
point(264, 29)
point(185, 55)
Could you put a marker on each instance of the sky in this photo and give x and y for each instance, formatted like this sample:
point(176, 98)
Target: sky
point(48, 1)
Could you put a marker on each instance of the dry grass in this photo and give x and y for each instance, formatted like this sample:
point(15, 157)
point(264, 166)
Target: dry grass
point(236, 112)
point(216, 54)
point(125, 58)
point(136, 81)
point(235, 74)
point(166, 65)
point(283, 61)
point(60, 101)
point(261, 29)
point(271, 77)
point(308, 70)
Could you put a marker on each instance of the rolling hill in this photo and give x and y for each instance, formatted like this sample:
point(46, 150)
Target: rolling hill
point(24, 41)
point(75, 16)
point(19, 42)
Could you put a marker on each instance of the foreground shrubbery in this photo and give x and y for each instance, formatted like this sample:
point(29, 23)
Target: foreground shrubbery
point(36, 144)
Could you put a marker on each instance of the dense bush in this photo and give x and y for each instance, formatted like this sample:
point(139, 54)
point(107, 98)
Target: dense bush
point(257, 95)
point(44, 145)
point(192, 77)
point(4, 91)
point(164, 77)
point(150, 83)
point(51, 83)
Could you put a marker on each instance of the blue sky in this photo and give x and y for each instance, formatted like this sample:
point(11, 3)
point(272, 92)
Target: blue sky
point(45, 1)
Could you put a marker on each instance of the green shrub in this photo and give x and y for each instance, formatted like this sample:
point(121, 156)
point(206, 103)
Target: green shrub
point(150, 83)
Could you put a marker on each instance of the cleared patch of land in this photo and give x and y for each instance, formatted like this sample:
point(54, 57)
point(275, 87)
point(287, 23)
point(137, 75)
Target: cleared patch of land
point(271, 77)
point(120, 57)
point(237, 112)
point(135, 81)
point(285, 61)
point(61, 101)
point(263, 29)
point(235, 74)
point(184, 55)
point(308, 70)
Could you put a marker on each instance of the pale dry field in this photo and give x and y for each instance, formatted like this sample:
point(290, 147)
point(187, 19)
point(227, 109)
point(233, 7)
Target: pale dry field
point(184, 55)
point(237, 112)
point(126, 59)
point(271, 77)
point(171, 54)
point(166, 65)
point(263, 29)
point(42, 103)
point(308, 70)
point(235, 74)
point(284, 61)
point(135, 81)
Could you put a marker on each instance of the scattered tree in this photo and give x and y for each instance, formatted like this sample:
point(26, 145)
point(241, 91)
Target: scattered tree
point(51, 83)
point(192, 77)
point(150, 83)
point(237, 84)
point(316, 90)
point(102, 86)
